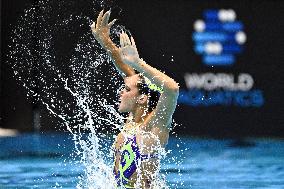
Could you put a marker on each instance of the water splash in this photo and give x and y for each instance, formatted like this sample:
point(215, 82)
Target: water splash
point(69, 80)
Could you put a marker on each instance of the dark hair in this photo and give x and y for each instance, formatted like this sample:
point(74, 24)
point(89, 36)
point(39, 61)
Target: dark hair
point(153, 95)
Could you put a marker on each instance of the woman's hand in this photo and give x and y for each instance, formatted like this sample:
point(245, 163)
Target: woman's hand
point(101, 29)
point(128, 50)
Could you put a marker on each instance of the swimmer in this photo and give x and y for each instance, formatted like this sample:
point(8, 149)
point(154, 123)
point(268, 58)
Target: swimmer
point(150, 98)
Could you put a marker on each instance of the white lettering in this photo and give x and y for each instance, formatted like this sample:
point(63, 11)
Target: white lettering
point(245, 82)
point(212, 81)
point(193, 80)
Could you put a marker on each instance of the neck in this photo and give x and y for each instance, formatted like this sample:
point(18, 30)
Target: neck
point(140, 114)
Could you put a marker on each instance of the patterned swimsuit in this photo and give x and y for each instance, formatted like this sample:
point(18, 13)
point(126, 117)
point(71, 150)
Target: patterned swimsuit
point(130, 158)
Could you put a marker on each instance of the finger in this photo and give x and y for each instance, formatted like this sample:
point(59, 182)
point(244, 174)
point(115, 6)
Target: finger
point(133, 43)
point(121, 40)
point(99, 19)
point(105, 18)
point(127, 40)
point(111, 23)
point(93, 26)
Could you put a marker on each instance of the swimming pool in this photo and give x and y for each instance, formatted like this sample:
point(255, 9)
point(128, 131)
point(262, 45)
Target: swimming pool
point(44, 161)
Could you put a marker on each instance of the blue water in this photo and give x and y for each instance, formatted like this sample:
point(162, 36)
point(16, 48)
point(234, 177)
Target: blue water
point(44, 161)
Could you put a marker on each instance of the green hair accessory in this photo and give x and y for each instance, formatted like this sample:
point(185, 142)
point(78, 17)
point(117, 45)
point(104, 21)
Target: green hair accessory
point(152, 86)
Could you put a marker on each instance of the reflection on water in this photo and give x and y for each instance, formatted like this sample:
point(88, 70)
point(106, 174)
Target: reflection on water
point(208, 163)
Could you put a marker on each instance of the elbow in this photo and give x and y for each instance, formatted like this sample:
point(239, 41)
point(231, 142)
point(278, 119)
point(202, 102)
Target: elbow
point(173, 87)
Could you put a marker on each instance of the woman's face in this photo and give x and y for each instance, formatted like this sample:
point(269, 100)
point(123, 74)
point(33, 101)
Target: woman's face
point(128, 96)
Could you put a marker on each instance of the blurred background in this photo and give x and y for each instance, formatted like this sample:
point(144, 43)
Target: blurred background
point(226, 55)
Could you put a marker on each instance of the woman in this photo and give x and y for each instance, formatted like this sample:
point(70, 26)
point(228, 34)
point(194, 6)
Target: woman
point(150, 97)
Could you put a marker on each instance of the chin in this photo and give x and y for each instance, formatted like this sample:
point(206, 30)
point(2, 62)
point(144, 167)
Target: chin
point(122, 110)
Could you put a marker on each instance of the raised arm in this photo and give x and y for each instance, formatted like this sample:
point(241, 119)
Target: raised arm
point(162, 115)
point(101, 31)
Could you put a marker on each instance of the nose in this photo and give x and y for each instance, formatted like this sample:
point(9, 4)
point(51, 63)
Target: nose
point(121, 90)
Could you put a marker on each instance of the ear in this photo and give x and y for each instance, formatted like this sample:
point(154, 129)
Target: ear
point(142, 99)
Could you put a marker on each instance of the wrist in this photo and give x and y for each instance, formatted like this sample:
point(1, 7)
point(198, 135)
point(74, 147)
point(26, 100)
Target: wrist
point(140, 62)
point(107, 44)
